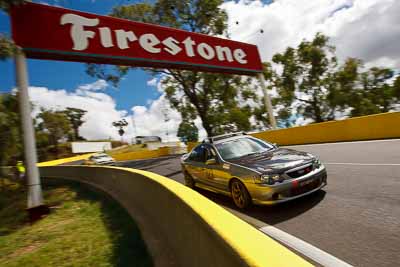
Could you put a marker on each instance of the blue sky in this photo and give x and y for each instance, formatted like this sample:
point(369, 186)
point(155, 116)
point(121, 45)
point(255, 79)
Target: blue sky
point(132, 91)
point(367, 30)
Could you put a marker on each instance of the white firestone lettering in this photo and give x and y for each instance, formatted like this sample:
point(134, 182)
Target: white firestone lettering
point(239, 55)
point(224, 50)
point(148, 41)
point(205, 51)
point(105, 37)
point(78, 34)
point(171, 46)
point(189, 43)
point(123, 37)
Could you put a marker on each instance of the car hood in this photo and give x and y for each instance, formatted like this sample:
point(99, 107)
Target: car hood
point(277, 160)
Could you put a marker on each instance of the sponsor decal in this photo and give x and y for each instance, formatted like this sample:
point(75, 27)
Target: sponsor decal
point(226, 166)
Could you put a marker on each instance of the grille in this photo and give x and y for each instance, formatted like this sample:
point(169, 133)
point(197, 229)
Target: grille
point(300, 172)
point(305, 188)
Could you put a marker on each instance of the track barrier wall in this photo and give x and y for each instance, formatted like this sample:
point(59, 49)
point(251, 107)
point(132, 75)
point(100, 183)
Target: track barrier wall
point(180, 226)
point(372, 127)
point(143, 154)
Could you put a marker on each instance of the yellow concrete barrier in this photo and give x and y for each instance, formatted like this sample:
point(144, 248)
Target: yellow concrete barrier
point(372, 127)
point(143, 154)
point(180, 226)
point(379, 126)
point(64, 160)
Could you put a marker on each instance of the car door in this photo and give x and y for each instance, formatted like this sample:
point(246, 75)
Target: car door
point(217, 174)
point(197, 166)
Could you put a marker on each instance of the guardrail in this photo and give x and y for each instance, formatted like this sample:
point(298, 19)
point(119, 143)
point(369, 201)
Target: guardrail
point(180, 226)
point(372, 127)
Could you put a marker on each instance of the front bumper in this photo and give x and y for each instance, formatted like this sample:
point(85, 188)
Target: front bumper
point(263, 194)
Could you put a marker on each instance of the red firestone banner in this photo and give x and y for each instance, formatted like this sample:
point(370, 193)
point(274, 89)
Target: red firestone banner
point(48, 32)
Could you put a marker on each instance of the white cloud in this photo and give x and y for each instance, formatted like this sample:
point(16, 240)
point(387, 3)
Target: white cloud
point(102, 111)
point(101, 108)
point(96, 86)
point(152, 82)
point(366, 29)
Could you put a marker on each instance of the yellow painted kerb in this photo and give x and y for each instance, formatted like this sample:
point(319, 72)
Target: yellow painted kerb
point(65, 160)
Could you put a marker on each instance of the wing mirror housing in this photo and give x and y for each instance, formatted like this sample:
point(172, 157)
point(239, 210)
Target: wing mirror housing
point(211, 162)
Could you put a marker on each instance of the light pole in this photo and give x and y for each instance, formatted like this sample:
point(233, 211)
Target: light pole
point(267, 101)
point(36, 208)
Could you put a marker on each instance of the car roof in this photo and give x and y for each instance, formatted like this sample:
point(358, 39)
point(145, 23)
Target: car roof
point(224, 137)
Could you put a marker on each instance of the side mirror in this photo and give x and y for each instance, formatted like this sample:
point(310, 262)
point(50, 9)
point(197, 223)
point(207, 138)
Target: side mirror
point(211, 162)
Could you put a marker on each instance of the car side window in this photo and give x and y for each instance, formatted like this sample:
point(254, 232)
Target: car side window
point(210, 153)
point(198, 154)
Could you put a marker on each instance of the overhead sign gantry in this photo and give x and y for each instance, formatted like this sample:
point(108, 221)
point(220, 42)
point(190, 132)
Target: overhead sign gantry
point(48, 32)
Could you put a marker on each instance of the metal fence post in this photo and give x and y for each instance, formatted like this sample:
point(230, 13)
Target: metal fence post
point(35, 198)
point(267, 101)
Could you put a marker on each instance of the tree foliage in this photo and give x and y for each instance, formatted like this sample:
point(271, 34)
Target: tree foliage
point(75, 117)
point(312, 82)
point(55, 124)
point(10, 132)
point(212, 97)
point(188, 132)
point(120, 125)
point(7, 47)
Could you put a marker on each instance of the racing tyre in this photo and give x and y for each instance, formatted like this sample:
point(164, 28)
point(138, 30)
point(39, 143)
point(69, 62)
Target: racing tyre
point(189, 182)
point(240, 196)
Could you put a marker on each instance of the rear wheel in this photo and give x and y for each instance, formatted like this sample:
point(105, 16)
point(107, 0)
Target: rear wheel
point(239, 193)
point(189, 181)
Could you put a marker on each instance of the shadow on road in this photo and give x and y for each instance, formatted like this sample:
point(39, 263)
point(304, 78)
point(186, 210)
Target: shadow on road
point(271, 214)
point(147, 164)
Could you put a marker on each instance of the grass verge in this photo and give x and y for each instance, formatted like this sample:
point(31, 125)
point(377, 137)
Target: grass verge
point(85, 228)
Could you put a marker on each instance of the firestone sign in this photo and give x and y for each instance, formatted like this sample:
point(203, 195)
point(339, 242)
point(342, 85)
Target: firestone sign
point(48, 32)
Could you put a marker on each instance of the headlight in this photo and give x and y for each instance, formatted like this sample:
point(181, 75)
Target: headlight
point(317, 163)
point(270, 178)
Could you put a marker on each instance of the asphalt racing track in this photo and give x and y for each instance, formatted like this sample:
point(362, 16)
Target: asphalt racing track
point(356, 218)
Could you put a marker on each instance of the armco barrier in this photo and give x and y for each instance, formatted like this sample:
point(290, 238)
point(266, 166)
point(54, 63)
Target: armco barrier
point(379, 126)
point(143, 154)
point(180, 226)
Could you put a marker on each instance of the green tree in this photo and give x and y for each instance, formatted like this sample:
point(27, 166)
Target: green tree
point(376, 92)
point(212, 97)
point(75, 117)
point(7, 47)
point(305, 77)
point(55, 124)
point(120, 125)
point(10, 133)
point(188, 132)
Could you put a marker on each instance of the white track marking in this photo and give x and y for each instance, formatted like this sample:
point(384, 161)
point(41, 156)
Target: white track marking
point(317, 255)
point(306, 249)
point(362, 164)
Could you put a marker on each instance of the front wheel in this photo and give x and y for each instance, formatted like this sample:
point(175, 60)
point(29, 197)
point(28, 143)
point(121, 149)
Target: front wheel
point(189, 181)
point(240, 195)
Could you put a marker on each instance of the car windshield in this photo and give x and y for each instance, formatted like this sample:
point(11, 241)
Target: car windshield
point(242, 147)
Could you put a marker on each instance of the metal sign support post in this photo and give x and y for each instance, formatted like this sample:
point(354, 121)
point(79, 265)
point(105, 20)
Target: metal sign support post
point(35, 198)
point(267, 101)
